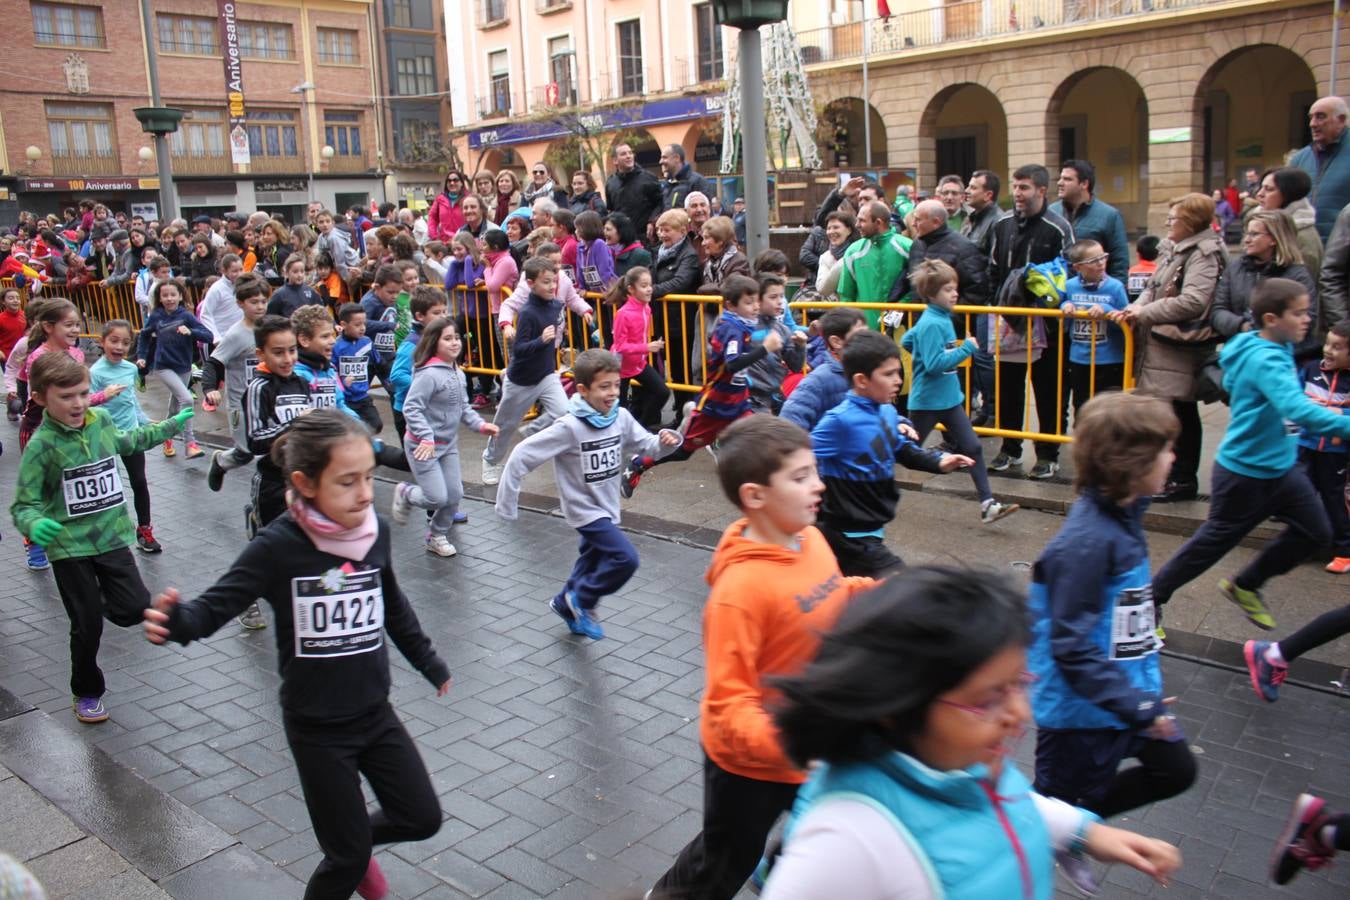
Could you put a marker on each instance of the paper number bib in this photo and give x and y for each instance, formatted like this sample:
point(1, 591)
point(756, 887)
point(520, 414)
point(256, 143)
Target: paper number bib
point(600, 459)
point(337, 613)
point(288, 406)
point(1089, 331)
point(1133, 624)
point(353, 368)
point(92, 488)
point(324, 395)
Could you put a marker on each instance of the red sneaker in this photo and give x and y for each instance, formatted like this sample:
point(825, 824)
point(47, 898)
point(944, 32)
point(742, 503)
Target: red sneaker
point(1339, 566)
point(374, 886)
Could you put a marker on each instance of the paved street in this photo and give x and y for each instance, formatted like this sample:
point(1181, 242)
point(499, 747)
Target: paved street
point(565, 768)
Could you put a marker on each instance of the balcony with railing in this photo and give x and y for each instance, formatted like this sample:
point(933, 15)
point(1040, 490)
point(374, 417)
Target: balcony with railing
point(202, 164)
point(98, 164)
point(972, 20)
point(347, 165)
point(544, 7)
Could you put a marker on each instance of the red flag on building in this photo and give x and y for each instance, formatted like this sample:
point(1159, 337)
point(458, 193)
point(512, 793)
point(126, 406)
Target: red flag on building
point(883, 9)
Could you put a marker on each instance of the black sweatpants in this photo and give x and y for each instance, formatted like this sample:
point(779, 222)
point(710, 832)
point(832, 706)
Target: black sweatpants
point(649, 398)
point(92, 588)
point(1109, 377)
point(1328, 474)
point(365, 408)
point(1081, 767)
point(738, 814)
point(269, 497)
point(330, 760)
point(1046, 391)
point(1186, 467)
point(1237, 504)
point(867, 555)
point(140, 488)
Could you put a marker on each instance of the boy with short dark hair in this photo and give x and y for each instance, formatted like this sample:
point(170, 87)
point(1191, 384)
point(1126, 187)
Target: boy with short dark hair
point(775, 589)
point(1096, 347)
point(1326, 382)
point(824, 386)
point(69, 500)
point(1098, 695)
point(353, 356)
point(587, 447)
point(275, 396)
point(380, 304)
point(726, 396)
point(532, 374)
point(857, 445)
point(232, 362)
point(767, 376)
point(1256, 471)
point(1147, 250)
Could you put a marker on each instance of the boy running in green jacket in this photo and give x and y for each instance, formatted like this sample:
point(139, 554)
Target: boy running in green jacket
point(70, 500)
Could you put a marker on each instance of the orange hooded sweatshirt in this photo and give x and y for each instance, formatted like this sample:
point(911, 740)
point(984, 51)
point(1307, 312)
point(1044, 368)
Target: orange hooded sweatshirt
point(768, 607)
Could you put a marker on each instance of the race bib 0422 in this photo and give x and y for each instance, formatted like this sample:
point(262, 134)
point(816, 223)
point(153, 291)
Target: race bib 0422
point(337, 613)
point(92, 488)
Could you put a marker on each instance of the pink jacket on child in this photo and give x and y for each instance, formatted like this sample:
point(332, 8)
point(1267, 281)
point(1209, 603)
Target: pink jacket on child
point(499, 271)
point(567, 293)
point(632, 324)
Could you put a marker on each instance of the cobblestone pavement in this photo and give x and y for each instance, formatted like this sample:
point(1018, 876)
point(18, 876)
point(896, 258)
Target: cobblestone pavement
point(565, 768)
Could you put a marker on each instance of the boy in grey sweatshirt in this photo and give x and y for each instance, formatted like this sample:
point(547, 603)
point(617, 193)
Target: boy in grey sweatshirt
point(588, 447)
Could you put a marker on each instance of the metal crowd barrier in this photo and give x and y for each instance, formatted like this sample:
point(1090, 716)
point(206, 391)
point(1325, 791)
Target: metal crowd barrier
point(685, 321)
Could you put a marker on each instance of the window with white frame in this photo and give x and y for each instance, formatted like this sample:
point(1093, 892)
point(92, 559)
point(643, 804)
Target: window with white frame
point(337, 46)
point(201, 134)
point(342, 132)
point(65, 25)
point(272, 134)
point(561, 61)
point(499, 71)
point(265, 40)
point(81, 130)
point(709, 43)
point(415, 75)
point(630, 58)
point(193, 35)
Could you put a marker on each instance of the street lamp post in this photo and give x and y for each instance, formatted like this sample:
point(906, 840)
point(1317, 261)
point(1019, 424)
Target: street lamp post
point(748, 16)
point(159, 122)
point(303, 89)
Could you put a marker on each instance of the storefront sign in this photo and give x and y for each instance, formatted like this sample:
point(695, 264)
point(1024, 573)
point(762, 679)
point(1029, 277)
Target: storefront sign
point(674, 109)
point(234, 82)
point(89, 184)
point(287, 184)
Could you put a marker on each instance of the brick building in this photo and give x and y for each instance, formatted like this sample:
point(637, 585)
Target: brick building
point(67, 129)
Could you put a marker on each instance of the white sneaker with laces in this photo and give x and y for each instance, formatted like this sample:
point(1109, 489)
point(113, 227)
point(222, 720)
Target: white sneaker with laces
point(492, 474)
point(440, 545)
point(993, 511)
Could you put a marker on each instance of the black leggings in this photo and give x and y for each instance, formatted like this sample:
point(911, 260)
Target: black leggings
point(140, 489)
point(330, 760)
point(1186, 467)
point(1322, 630)
point(1165, 769)
point(649, 398)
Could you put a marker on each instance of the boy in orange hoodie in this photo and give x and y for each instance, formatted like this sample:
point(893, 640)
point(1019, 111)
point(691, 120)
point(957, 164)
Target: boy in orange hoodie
point(775, 588)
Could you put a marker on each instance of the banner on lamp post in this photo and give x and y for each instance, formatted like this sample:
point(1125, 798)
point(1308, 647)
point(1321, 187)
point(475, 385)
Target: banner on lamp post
point(234, 81)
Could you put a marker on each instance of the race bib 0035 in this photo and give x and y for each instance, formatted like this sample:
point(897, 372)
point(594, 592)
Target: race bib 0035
point(92, 488)
point(337, 613)
point(600, 459)
point(1133, 625)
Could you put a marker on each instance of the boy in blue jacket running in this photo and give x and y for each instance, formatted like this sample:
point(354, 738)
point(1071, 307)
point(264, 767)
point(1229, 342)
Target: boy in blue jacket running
point(1098, 695)
point(935, 396)
point(824, 386)
point(355, 358)
point(1256, 471)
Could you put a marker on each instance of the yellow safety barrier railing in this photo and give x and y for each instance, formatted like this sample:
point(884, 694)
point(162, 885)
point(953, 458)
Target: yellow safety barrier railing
point(685, 322)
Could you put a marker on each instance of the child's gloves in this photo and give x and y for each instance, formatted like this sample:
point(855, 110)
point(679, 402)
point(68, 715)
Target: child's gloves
point(46, 530)
point(181, 417)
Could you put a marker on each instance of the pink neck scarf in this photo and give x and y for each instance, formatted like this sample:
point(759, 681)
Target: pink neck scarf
point(330, 537)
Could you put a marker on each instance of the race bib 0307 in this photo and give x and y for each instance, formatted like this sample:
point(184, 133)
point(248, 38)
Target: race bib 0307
point(337, 613)
point(601, 459)
point(1133, 625)
point(92, 488)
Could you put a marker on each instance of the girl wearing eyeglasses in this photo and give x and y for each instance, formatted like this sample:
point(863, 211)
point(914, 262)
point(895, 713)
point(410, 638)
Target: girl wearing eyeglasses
point(912, 708)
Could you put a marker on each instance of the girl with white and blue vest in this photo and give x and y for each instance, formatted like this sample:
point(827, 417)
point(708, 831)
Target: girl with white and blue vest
point(912, 707)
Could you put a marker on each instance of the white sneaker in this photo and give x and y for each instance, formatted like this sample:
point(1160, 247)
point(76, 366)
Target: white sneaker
point(993, 511)
point(401, 508)
point(685, 414)
point(440, 545)
point(492, 474)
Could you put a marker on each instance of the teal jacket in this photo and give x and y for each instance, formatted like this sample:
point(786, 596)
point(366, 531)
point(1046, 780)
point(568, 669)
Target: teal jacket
point(1266, 395)
point(971, 836)
point(71, 475)
point(936, 351)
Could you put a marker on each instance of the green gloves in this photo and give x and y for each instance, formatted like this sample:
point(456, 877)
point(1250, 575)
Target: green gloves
point(181, 417)
point(46, 530)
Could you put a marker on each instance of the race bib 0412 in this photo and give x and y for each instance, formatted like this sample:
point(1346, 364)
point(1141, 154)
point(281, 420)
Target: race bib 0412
point(337, 613)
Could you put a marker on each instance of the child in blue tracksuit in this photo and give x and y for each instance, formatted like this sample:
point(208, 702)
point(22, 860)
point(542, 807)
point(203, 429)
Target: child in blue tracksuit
point(857, 445)
point(935, 397)
point(824, 386)
point(165, 350)
point(1093, 341)
point(1098, 694)
point(1256, 471)
point(1326, 382)
point(355, 358)
point(426, 305)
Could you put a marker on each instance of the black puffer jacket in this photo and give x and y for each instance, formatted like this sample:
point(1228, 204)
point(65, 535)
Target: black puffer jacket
point(686, 181)
point(678, 273)
point(1233, 300)
point(959, 253)
point(635, 193)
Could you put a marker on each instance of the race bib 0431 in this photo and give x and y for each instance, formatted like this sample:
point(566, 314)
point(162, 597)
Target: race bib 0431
point(337, 613)
point(601, 459)
point(92, 488)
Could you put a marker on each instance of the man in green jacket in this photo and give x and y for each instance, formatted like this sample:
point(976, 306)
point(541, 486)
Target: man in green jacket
point(70, 500)
point(874, 262)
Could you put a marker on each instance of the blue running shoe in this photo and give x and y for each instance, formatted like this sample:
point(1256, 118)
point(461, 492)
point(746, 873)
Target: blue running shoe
point(461, 517)
point(559, 607)
point(37, 558)
point(1266, 676)
point(590, 626)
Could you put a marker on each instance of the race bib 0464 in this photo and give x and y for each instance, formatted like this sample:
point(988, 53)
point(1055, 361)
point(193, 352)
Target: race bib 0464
point(337, 613)
point(353, 368)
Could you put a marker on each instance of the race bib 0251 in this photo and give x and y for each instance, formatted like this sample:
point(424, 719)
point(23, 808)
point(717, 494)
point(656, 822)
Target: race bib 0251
point(92, 488)
point(337, 613)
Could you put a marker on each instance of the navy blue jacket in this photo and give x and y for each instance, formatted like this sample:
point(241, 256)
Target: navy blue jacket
point(532, 358)
point(857, 445)
point(161, 345)
point(820, 391)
